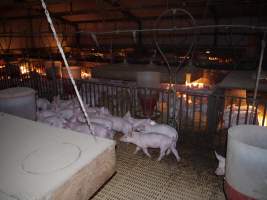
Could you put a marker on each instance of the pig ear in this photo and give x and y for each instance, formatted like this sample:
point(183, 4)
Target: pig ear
point(219, 157)
point(128, 114)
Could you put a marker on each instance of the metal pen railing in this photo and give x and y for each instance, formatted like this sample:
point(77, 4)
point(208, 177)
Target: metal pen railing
point(194, 112)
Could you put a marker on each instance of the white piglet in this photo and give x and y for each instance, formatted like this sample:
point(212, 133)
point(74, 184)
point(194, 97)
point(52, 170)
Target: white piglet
point(55, 121)
point(103, 121)
point(41, 115)
point(42, 104)
point(163, 129)
point(99, 130)
point(220, 171)
point(119, 124)
point(137, 122)
point(79, 117)
point(152, 140)
point(66, 113)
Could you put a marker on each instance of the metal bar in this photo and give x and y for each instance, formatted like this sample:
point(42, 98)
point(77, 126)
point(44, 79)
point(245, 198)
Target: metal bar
point(259, 71)
point(109, 93)
point(98, 94)
point(264, 115)
point(113, 95)
point(134, 96)
point(168, 105)
point(259, 28)
point(200, 112)
point(193, 112)
point(105, 95)
point(94, 93)
point(180, 112)
point(238, 112)
point(221, 114)
point(246, 116)
point(86, 92)
point(102, 94)
point(117, 100)
point(255, 114)
point(230, 113)
point(161, 106)
point(150, 102)
point(187, 109)
point(91, 94)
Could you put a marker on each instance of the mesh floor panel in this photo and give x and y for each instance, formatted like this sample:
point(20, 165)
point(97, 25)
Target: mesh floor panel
point(140, 177)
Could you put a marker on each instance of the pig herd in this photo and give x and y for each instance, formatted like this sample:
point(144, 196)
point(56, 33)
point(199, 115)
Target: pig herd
point(144, 133)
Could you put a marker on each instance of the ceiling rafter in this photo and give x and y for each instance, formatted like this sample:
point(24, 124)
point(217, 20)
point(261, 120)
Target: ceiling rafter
point(39, 15)
point(129, 15)
point(59, 18)
point(123, 11)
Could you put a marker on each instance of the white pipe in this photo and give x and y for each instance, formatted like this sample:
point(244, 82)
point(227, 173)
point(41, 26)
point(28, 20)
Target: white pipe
point(258, 28)
point(67, 66)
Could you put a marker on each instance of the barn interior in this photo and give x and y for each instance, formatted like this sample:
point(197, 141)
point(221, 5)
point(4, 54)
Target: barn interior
point(194, 66)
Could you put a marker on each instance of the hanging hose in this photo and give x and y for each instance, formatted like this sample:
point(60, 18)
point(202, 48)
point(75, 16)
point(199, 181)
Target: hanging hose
point(174, 73)
point(174, 11)
point(67, 67)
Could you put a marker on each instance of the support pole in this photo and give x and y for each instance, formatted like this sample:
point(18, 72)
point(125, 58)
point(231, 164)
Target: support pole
point(263, 44)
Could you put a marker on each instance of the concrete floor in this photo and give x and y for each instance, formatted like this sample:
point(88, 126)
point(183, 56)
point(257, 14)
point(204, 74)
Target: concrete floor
point(139, 177)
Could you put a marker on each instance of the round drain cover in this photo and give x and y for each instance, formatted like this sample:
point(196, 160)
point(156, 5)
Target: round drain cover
point(51, 158)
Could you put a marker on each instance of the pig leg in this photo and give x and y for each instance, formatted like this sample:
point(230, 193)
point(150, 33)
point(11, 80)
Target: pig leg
point(174, 151)
point(146, 152)
point(168, 152)
point(162, 153)
point(137, 149)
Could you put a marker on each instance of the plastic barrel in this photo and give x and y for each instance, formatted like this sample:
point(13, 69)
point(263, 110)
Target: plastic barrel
point(148, 79)
point(148, 99)
point(246, 163)
point(19, 101)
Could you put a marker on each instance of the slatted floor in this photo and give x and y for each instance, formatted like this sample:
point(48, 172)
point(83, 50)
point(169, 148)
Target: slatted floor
point(141, 178)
